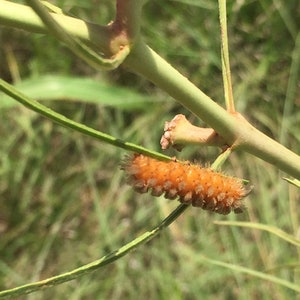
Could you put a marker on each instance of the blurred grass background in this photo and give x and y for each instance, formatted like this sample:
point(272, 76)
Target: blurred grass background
point(64, 201)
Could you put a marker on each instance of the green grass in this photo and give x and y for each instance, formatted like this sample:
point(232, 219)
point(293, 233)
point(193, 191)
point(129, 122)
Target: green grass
point(64, 201)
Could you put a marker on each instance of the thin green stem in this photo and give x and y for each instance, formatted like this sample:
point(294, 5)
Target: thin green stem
point(225, 58)
point(74, 44)
point(64, 121)
point(291, 92)
point(221, 159)
point(285, 13)
point(109, 258)
point(274, 230)
point(128, 17)
point(253, 273)
point(23, 17)
point(95, 265)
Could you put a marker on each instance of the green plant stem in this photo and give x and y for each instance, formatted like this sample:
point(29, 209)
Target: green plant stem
point(235, 130)
point(64, 121)
point(105, 260)
point(242, 270)
point(128, 17)
point(225, 58)
point(274, 230)
point(291, 92)
point(75, 45)
point(232, 127)
point(109, 258)
point(23, 17)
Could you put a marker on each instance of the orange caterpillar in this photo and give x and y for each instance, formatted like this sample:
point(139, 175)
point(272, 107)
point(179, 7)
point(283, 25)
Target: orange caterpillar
point(192, 184)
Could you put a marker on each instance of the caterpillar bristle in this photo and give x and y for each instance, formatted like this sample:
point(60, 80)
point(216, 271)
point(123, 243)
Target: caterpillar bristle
point(190, 183)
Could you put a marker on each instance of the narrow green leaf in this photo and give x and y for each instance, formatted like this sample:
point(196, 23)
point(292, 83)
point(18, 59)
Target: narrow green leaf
point(56, 87)
point(295, 182)
point(274, 230)
point(254, 273)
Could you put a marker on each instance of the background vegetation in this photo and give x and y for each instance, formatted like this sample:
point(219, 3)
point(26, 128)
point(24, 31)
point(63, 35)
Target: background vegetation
point(64, 201)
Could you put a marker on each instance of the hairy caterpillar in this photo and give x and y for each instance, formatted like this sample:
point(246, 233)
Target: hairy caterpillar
point(190, 183)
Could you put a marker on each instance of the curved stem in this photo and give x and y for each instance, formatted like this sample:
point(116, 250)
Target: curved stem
point(95, 265)
point(109, 258)
point(64, 121)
